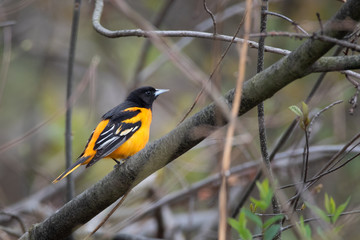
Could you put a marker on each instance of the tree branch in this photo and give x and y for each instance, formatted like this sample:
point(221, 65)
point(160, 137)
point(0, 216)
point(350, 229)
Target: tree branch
point(180, 33)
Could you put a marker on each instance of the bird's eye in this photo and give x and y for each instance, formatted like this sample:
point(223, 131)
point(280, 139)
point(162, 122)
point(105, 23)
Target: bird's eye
point(148, 93)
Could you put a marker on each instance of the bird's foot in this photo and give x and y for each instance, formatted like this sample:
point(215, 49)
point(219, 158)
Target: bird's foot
point(118, 163)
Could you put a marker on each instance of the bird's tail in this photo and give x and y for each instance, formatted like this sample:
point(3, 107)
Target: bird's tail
point(74, 166)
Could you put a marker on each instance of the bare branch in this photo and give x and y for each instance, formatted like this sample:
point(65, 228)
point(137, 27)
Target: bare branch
point(320, 23)
point(211, 15)
point(17, 218)
point(330, 64)
point(226, 156)
point(141, 33)
point(70, 187)
point(316, 116)
point(314, 36)
point(287, 19)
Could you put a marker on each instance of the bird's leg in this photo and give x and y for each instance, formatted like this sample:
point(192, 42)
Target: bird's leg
point(117, 162)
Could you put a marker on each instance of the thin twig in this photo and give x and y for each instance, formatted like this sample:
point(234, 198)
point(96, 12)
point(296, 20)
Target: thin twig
point(212, 17)
point(352, 74)
point(260, 110)
point(16, 218)
point(354, 99)
point(226, 158)
point(213, 72)
point(146, 46)
point(320, 23)
point(330, 163)
point(70, 189)
point(287, 19)
point(352, 81)
point(333, 169)
point(109, 214)
point(315, 36)
point(320, 78)
point(261, 117)
point(304, 172)
point(317, 115)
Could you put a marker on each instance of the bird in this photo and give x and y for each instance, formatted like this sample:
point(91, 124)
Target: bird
point(122, 131)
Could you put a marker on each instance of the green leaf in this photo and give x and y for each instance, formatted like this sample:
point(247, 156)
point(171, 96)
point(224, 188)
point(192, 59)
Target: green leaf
point(234, 224)
point(318, 212)
point(332, 206)
point(265, 193)
point(307, 231)
point(252, 207)
point(263, 188)
point(263, 205)
point(327, 203)
point(253, 217)
point(340, 210)
point(242, 219)
point(296, 110)
point(304, 228)
point(305, 111)
point(245, 234)
point(271, 232)
point(272, 220)
point(240, 226)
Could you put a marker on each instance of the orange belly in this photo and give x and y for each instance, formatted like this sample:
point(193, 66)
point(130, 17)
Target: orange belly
point(131, 146)
point(138, 140)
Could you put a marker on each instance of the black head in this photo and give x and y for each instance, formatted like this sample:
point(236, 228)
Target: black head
point(145, 96)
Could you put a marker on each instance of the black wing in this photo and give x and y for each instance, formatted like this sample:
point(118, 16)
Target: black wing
point(114, 135)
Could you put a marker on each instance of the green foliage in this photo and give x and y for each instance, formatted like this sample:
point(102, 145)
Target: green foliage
point(304, 229)
point(270, 227)
point(331, 213)
point(240, 226)
point(296, 110)
point(272, 231)
point(302, 113)
point(265, 193)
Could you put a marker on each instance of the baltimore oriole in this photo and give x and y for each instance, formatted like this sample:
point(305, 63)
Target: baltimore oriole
point(122, 132)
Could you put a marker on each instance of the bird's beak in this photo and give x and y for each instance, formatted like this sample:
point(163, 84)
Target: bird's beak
point(160, 91)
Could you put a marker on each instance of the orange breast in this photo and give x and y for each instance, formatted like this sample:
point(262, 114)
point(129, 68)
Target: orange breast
point(139, 139)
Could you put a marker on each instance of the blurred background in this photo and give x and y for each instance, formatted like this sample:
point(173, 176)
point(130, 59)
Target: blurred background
point(34, 50)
